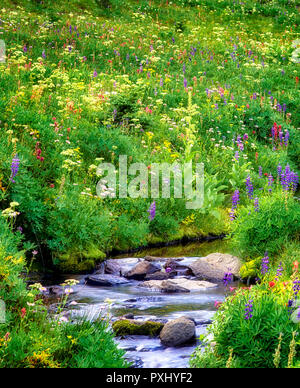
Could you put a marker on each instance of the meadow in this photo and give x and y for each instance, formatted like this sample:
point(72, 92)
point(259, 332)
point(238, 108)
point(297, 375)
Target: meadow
point(215, 82)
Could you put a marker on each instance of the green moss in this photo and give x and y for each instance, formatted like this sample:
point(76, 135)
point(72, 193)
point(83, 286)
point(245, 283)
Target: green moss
point(128, 327)
point(74, 261)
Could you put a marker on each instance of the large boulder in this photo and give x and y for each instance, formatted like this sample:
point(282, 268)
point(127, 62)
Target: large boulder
point(124, 327)
point(177, 285)
point(105, 280)
point(112, 267)
point(178, 332)
point(214, 266)
point(194, 285)
point(142, 269)
point(164, 286)
point(224, 262)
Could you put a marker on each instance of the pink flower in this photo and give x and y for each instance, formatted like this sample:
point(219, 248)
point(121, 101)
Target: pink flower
point(217, 304)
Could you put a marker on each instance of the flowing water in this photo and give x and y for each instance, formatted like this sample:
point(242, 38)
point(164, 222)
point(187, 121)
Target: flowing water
point(145, 304)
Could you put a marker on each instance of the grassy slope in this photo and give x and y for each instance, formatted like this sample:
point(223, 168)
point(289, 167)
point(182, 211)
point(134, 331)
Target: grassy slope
point(52, 101)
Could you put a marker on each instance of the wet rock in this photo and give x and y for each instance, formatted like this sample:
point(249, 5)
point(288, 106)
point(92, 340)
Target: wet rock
point(165, 286)
point(135, 362)
point(205, 271)
point(125, 327)
point(178, 332)
point(194, 285)
point(160, 275)
point(177, 285)
point(59, 291)
point(213, 267)
point(127, 264)
point(132, 300)
point(153, 258)
point(225, 262)
point(204, 322)
point(100, 269)
point(141, 270)
point(129, 316)
point(105, 280)
point(112, 267)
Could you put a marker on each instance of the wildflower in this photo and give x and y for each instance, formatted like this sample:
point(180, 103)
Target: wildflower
point(228, 277)
point(279, 271)
point(14, 168)
point(237, 156)
point(295, 266)
point(296, 287)
point(235, 201)
point(271, 284)
point(249, 309)
point(256, 204)
point(217, 304)
point(265, 264)
point(270, 182)
point(152, 211)
point(23, 312)
point(249, 187)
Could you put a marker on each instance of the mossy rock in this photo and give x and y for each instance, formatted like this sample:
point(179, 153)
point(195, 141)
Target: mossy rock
point(131, 327)
point(74, 261)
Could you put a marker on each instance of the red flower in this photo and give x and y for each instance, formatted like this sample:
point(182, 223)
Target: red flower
point(271, 284)
point(23, 312)
point(296, 265)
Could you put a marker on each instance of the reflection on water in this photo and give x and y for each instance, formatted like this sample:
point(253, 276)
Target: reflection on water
point(194, 249)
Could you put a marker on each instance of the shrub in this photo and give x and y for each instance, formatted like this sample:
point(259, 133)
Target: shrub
point(269, 229)
point(253, 342)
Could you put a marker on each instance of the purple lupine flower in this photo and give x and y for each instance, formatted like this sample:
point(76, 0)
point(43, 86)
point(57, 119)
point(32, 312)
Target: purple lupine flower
point(249, 310)
point(279, 271)
point(279, 170)
point(152, 211)
point(237, 156)
point(228, 277)
point(286, 138)
point(270, 182)
point(235, 202)
point(185, 83)
point(161, 82)
point(256, 204)
point(44, 54)
point(95, 74)
point(249, 187)
point(240, 143)
point(265, 264)
point(290, 306)
point(14, 168)
point(260, 171)
point(245, 137)
point(294, 180)
point(296, 287)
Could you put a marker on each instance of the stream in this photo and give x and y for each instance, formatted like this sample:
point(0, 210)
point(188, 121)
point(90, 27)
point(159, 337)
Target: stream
point(144, 304)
